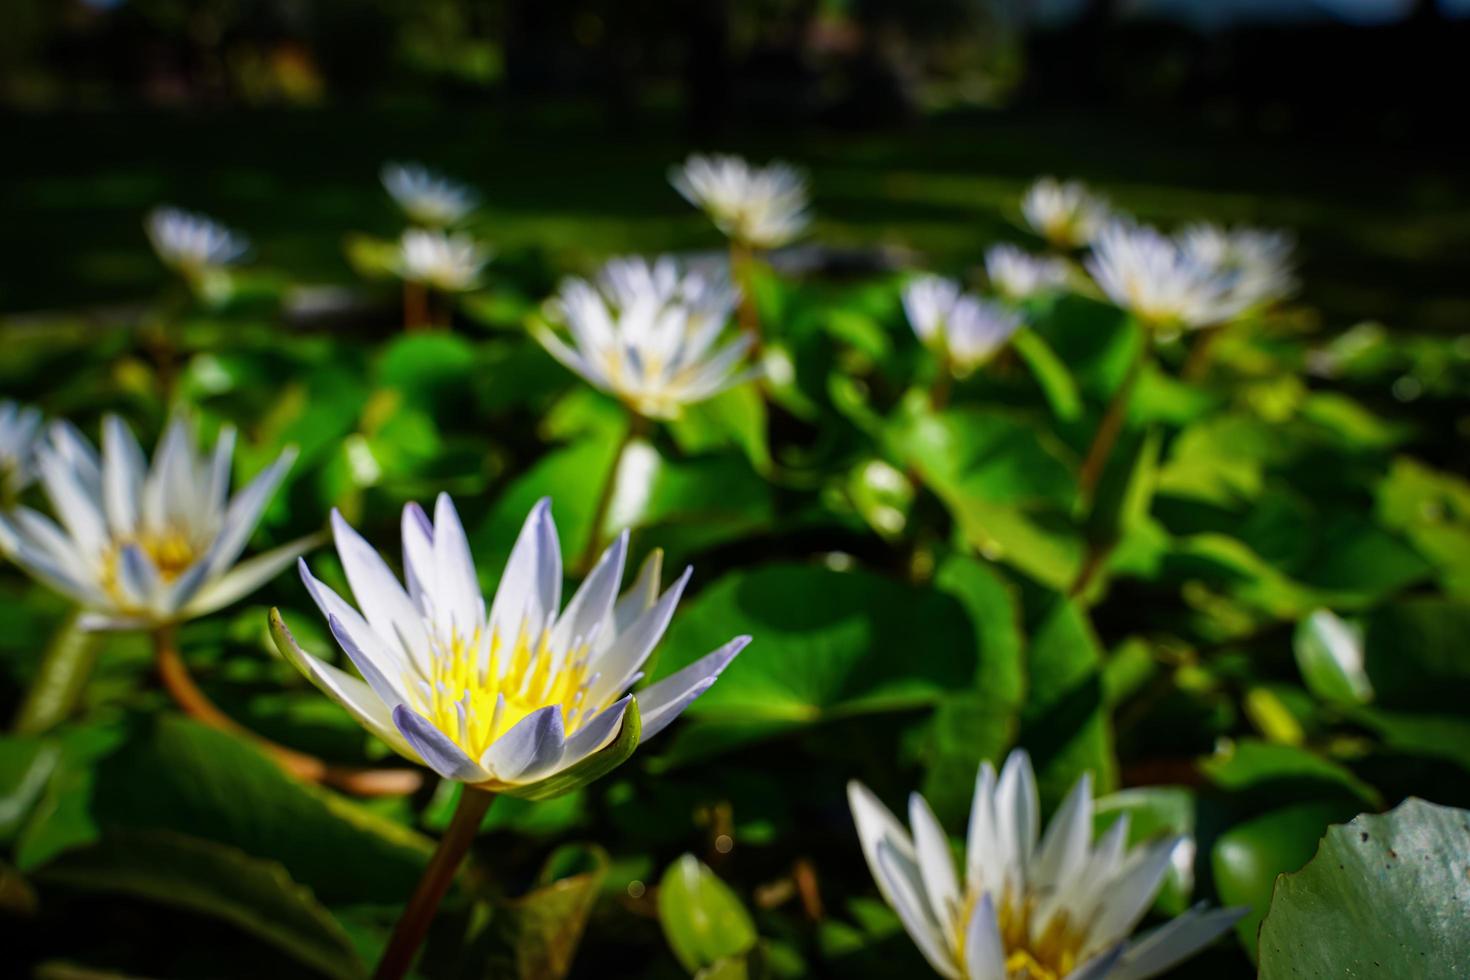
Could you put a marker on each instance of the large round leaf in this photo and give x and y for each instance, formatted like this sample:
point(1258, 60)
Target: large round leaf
point(1386, 896)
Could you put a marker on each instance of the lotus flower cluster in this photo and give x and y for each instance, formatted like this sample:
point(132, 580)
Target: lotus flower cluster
point(19, 428)
point(428, 198)
point(965, 329)
point(1065, 213)
point(448, 262)
point(760, 207)
point(1027, 906)
point(140, 547)
point(192, 244)
point(1018, 275)
point(650, 334)
point(509, 697)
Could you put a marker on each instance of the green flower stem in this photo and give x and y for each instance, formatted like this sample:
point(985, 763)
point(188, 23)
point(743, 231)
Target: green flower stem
point(742, 271)
point(637, 427)
point(61, 679)
point(1111, 426)
point(413, 924)
point(180, 686)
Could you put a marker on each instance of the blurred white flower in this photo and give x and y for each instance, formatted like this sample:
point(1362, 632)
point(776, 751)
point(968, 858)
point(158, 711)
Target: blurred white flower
point(450, 263)
point(964, 328)
point(1256, 262)
point(427, 197)
point(649, 334)
point(140, 547)
point(764, 207)
point(1148, 274)
point(19, 428)
point(1017, 274)
point(1065, 213)
point(193, 244)
point(1028, 906)
point(512, 697)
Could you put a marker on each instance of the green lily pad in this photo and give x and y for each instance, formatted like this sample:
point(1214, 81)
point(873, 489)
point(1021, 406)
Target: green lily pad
point(1387, 895)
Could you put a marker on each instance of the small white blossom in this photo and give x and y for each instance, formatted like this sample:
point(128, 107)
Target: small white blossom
point(450, 263)
point(965, 328)
point(1065, 213)
point(1148, 274)
point(649, 335)
point(427, 197)
point(1257, 262)
point(1017, 274)
point(1027, 905)
point(193, 244)
point(764, 207)
point(137, 546)
point(19, 427)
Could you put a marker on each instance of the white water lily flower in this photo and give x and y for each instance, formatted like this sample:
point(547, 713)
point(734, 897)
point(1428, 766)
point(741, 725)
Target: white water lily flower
point(764, 207)
point(1017, 274)
point(140, 547)
point(506, 698)
point(193, 244)
point(1065, 213)
point(19, 428)
point(1028, 906)
point(450, 263)
point(427, 197)
point(1257, 262)
point(965, 328)
point(1148, 274)
point(649, 334)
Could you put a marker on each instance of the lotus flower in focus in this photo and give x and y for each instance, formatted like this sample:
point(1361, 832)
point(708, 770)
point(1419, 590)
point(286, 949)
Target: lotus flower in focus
point(523, 697)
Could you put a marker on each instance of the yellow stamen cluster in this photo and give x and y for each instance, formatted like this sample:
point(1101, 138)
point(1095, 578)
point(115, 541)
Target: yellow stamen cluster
point(477, 689)
point(1051, 956)
point(171, 551)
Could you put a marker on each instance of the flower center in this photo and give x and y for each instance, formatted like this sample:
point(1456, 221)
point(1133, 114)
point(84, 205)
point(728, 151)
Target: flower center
point(171, 550)
point(1050, 956)
point(478, 688)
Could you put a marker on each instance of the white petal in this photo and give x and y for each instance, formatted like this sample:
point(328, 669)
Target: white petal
point(123, 471)
point(79, 512)
point(437, 750)
point(168, 488)
point(936, 864)
point(918, 919)
point(592, 606)
point(595, 733)
point(639, 598)
point(457, 592)
point(50, 568)
point(1064, 847)
point(1017, 816)
point(616, 665)
point(1132, 892)
point(660, 703)
point(383, 602)
point(418, 554)
point(1165, 947)
point(985, 951)
point(981, 848)
point(531, 750)
point(380, 666)
point(346, 690)
point(525, 585)
point(247, 576)
point(245, 510)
